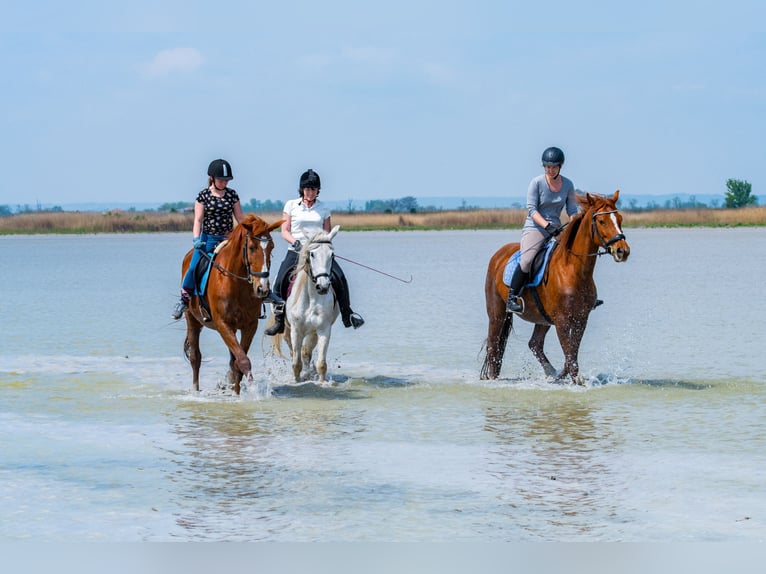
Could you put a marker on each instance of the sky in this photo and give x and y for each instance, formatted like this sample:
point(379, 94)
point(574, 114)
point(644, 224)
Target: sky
point(129, 101)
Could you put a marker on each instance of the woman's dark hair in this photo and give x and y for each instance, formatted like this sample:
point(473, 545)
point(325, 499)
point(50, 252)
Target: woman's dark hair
point(309, 178)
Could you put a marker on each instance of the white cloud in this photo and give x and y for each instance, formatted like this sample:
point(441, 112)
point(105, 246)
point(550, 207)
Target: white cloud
point(168, 62)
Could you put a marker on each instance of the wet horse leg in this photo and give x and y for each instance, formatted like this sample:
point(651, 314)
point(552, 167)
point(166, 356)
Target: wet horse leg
point(323, 342)
point(570, 337)
point(296, 344)
point(307, 350)
point(537, 345)
point(191, 346)
point(500, 324)
point(239, 364)
point(235, 373)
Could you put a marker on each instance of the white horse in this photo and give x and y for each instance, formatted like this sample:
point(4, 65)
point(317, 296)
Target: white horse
point(311, 308)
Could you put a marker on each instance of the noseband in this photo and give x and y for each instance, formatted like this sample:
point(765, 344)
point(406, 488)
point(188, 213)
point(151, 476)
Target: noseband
point(264, 241)
point(603, 242)
point(314, 278)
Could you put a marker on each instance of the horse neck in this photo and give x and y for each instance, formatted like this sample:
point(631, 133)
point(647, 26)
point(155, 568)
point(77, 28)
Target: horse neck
point(580, 243)
point(231, 255)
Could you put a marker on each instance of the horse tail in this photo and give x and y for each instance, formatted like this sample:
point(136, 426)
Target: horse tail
point(276, 343)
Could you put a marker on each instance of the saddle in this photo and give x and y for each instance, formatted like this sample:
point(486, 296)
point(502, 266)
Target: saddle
point(201, 275)
point(539, 265)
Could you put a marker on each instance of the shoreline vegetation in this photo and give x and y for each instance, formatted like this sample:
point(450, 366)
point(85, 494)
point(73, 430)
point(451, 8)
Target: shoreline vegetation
point(64, 222)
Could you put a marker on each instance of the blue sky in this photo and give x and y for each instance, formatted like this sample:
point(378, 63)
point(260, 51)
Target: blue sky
point(130, 102)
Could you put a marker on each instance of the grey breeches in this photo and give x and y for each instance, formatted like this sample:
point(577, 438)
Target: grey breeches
point(532, 241)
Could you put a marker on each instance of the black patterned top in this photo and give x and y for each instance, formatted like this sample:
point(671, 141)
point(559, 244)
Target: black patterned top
point(219, 211)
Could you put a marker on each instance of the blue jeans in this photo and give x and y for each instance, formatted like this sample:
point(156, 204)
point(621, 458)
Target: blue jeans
point(211, 242)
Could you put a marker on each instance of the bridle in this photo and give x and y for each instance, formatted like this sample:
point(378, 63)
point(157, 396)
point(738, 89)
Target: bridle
point(602, 243)
point(315, 278)
point(264, 240)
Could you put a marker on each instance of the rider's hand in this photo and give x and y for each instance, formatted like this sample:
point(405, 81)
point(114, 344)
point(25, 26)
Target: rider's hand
point(552, 229)
point(199, 243)
point(296, 245)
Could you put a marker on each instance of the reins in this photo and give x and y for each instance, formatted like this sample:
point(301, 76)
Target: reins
point(602, 243)
point(250, 273)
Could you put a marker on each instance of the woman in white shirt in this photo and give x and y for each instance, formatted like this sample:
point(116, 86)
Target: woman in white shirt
point(304, 216)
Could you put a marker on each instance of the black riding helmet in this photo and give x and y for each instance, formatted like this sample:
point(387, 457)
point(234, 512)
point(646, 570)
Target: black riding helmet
point(220, 169)
point(309, 178)
point(553, 156)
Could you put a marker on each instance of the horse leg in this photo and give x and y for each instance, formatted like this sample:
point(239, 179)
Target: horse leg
point(296, 343)
point(570, 338)
point(235, 374)
point(537, 346)
point(323, 343)
point(307, 350)
point(500, 324)
point(191, 347)
point(239, 364)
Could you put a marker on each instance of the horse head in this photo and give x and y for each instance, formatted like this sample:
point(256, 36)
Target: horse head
point(254, 237)
point(317, 257)
point(606, 230)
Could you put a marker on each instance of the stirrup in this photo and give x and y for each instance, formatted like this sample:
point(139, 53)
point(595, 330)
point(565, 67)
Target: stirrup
point(514, 305)
point(356, 320)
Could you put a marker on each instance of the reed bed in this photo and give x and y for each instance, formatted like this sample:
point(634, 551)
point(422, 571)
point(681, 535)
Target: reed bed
point(151, 221)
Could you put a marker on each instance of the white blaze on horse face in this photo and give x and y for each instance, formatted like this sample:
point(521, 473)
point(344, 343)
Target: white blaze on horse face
point(262, 285)
point(619, 255)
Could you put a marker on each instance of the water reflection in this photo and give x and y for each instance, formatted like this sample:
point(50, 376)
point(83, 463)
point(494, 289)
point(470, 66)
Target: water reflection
point(240, 466)
point(550, 459)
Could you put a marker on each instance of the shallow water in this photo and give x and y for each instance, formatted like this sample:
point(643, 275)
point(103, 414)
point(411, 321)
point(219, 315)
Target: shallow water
point(101, 437)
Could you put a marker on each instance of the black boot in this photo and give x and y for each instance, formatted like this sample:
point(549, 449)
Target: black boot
point(340, 286)
point(514, 303)
point(279, 321)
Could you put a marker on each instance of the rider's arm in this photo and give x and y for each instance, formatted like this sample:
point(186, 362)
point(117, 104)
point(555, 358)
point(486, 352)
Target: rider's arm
point(238, 213)
point(286, 228)
point(327, 224)
point(199, 217)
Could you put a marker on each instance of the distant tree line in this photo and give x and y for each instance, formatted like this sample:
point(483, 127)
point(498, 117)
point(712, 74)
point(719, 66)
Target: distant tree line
point(738, 194)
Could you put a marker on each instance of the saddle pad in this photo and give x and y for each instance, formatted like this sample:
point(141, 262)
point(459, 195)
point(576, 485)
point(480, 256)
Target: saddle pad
point(538, 267)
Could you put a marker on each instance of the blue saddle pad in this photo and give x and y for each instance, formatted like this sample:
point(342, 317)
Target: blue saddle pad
point(537, 267)
point(202, 273)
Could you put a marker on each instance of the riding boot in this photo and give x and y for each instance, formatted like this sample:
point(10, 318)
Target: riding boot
point(340, 286)
point(182, 305)
point(518, 281)
point(279, 321)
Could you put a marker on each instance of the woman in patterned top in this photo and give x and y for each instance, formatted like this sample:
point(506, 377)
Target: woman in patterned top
point(304, 216)
point(213, 211)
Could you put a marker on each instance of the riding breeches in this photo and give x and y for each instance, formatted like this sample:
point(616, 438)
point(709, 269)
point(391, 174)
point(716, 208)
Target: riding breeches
point(532, 240)
point(337, 279)
point(283, 275)
point(211, 242)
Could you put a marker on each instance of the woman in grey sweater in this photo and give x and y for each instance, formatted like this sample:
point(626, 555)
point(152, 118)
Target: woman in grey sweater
point(548, 194)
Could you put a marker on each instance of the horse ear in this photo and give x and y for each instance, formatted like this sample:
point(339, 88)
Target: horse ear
point(274, 225)
point(616, 196)
point(334, 231)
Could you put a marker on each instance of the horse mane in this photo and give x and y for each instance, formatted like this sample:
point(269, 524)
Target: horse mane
point(589, 202)
point(570, 233)
point(303, 256)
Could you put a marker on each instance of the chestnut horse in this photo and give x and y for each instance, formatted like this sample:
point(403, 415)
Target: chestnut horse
point(567, 294)
point(236, 287)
